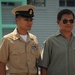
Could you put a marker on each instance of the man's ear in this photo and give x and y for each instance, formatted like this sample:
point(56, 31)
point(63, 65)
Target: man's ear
point(16, 19)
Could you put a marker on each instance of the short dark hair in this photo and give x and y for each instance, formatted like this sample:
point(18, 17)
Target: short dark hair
point(64, 11)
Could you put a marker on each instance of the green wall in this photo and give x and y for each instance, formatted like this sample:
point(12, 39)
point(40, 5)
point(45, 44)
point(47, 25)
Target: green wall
point(23, 2)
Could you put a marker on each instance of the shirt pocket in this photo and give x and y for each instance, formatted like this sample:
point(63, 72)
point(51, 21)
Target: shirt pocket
point(34, 52)
point(17, 52)
point(34, 55)
point(16, 56)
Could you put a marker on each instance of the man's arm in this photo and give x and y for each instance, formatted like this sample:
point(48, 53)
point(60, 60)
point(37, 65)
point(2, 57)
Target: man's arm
point(2, 69)
point(43, 71)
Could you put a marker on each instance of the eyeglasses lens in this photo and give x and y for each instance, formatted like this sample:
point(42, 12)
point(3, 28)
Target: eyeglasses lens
point(70, 21)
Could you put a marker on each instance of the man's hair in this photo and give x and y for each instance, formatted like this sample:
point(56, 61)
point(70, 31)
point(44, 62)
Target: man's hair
point(64, 11)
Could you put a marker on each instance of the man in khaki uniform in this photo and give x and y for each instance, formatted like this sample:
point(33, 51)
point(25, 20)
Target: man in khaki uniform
point(19, 49)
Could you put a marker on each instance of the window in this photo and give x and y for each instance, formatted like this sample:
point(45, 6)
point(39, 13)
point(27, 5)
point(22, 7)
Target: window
point(7, 19)
point(8, 4)
point(36, 2)
point(7, 16)
point(69, 3)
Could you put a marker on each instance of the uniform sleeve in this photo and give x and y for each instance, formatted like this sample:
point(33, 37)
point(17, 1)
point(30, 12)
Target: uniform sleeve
point(45, 57)
point(4, 50)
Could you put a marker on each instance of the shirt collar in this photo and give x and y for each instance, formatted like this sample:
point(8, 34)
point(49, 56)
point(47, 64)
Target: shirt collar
point(16, 35)
point(59, 33)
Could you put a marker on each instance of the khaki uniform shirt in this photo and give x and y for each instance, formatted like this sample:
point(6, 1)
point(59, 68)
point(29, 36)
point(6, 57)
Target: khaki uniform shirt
point(58, 55)
point(20, 56)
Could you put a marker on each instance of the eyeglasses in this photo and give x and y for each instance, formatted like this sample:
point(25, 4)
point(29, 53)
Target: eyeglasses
point(70, 21)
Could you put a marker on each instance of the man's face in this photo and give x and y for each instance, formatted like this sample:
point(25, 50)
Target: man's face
point(24, 23)
point(66, 23)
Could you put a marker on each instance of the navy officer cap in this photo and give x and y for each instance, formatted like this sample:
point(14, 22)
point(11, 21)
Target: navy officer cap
point(24, 11)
